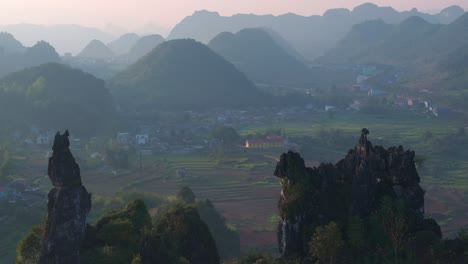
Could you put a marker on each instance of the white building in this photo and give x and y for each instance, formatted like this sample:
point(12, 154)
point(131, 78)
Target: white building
point(142, 139)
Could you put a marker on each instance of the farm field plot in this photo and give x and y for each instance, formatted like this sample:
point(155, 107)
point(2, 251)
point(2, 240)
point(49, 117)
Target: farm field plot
point(241, 186)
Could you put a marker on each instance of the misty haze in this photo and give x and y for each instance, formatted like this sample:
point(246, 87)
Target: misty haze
point(233, 132)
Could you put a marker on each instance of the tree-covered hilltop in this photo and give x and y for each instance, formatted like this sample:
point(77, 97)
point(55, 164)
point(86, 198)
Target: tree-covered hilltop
point(183, 74)
point(254, 52)
point(52, 94)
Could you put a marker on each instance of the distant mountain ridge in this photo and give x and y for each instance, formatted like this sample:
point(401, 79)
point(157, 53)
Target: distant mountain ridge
point(65, 38)
point(97, 50)
point(124, 43)
point(15, 57)
point(254, 52)
point(412, 40)
point(311, 36)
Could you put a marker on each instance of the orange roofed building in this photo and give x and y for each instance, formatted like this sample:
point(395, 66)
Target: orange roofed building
point(264, 143)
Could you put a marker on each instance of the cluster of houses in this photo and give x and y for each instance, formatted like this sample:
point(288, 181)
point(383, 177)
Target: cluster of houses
point(38, 137)
point(400, 102)
point(21, 191)
point(195, 135)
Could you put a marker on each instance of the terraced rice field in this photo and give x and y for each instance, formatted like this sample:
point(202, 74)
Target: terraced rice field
point(242, 187)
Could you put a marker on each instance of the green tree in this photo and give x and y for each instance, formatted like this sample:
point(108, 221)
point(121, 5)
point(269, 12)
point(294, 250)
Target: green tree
point(394, 224)
point(5, 161)
point(136, 260)
point(117, 155)
point(227, 134)
point(186, 194)
point(326, 243)
point(356, 234)
point(118, 232)
point(29, 248)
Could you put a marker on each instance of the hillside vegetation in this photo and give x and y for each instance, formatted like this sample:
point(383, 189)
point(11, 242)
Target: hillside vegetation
point(55, 96)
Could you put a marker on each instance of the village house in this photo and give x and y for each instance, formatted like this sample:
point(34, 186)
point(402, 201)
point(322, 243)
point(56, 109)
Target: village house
point(142, 139)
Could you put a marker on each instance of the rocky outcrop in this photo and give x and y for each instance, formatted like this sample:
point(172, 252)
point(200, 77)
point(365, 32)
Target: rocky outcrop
point(352, 187)
point(68, 205)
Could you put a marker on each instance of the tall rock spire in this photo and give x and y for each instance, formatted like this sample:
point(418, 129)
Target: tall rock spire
point(353, 187)
point(68, 205)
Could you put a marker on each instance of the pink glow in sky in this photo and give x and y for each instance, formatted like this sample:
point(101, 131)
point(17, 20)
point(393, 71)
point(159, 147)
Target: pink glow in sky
point(135, 13)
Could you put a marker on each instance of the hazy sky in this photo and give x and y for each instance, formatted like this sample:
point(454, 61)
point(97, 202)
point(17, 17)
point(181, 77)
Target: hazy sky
point(134, 13)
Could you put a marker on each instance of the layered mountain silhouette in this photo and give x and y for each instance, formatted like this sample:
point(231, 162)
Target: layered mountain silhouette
point(14, 56)
point(65, 38)
point(142, 47)
point(411, 41)
point(124, 43)
point(310, 36)
point(8, 44)
point(96, 50)
point(183, 74)
point(260, 57)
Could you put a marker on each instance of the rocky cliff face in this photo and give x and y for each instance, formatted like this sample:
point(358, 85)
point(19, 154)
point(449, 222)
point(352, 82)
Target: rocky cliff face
point(352, 187)
point(68, 205)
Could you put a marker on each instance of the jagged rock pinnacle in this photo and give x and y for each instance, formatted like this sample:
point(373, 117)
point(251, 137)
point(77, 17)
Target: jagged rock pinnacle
point(63, 170)
point(68, 206)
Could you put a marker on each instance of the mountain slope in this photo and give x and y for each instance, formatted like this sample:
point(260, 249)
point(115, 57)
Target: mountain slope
point(142, 47)
point(378, 42)
point(182, 74)
point(447, 15)
point(358, 42)
point(451, 37)
point(255, 53)
point(9, 44)
point(38, 54)
point(55, 96)
point(97, 50)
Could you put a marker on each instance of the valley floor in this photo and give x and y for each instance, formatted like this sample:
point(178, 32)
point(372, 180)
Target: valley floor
point(240, 183)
